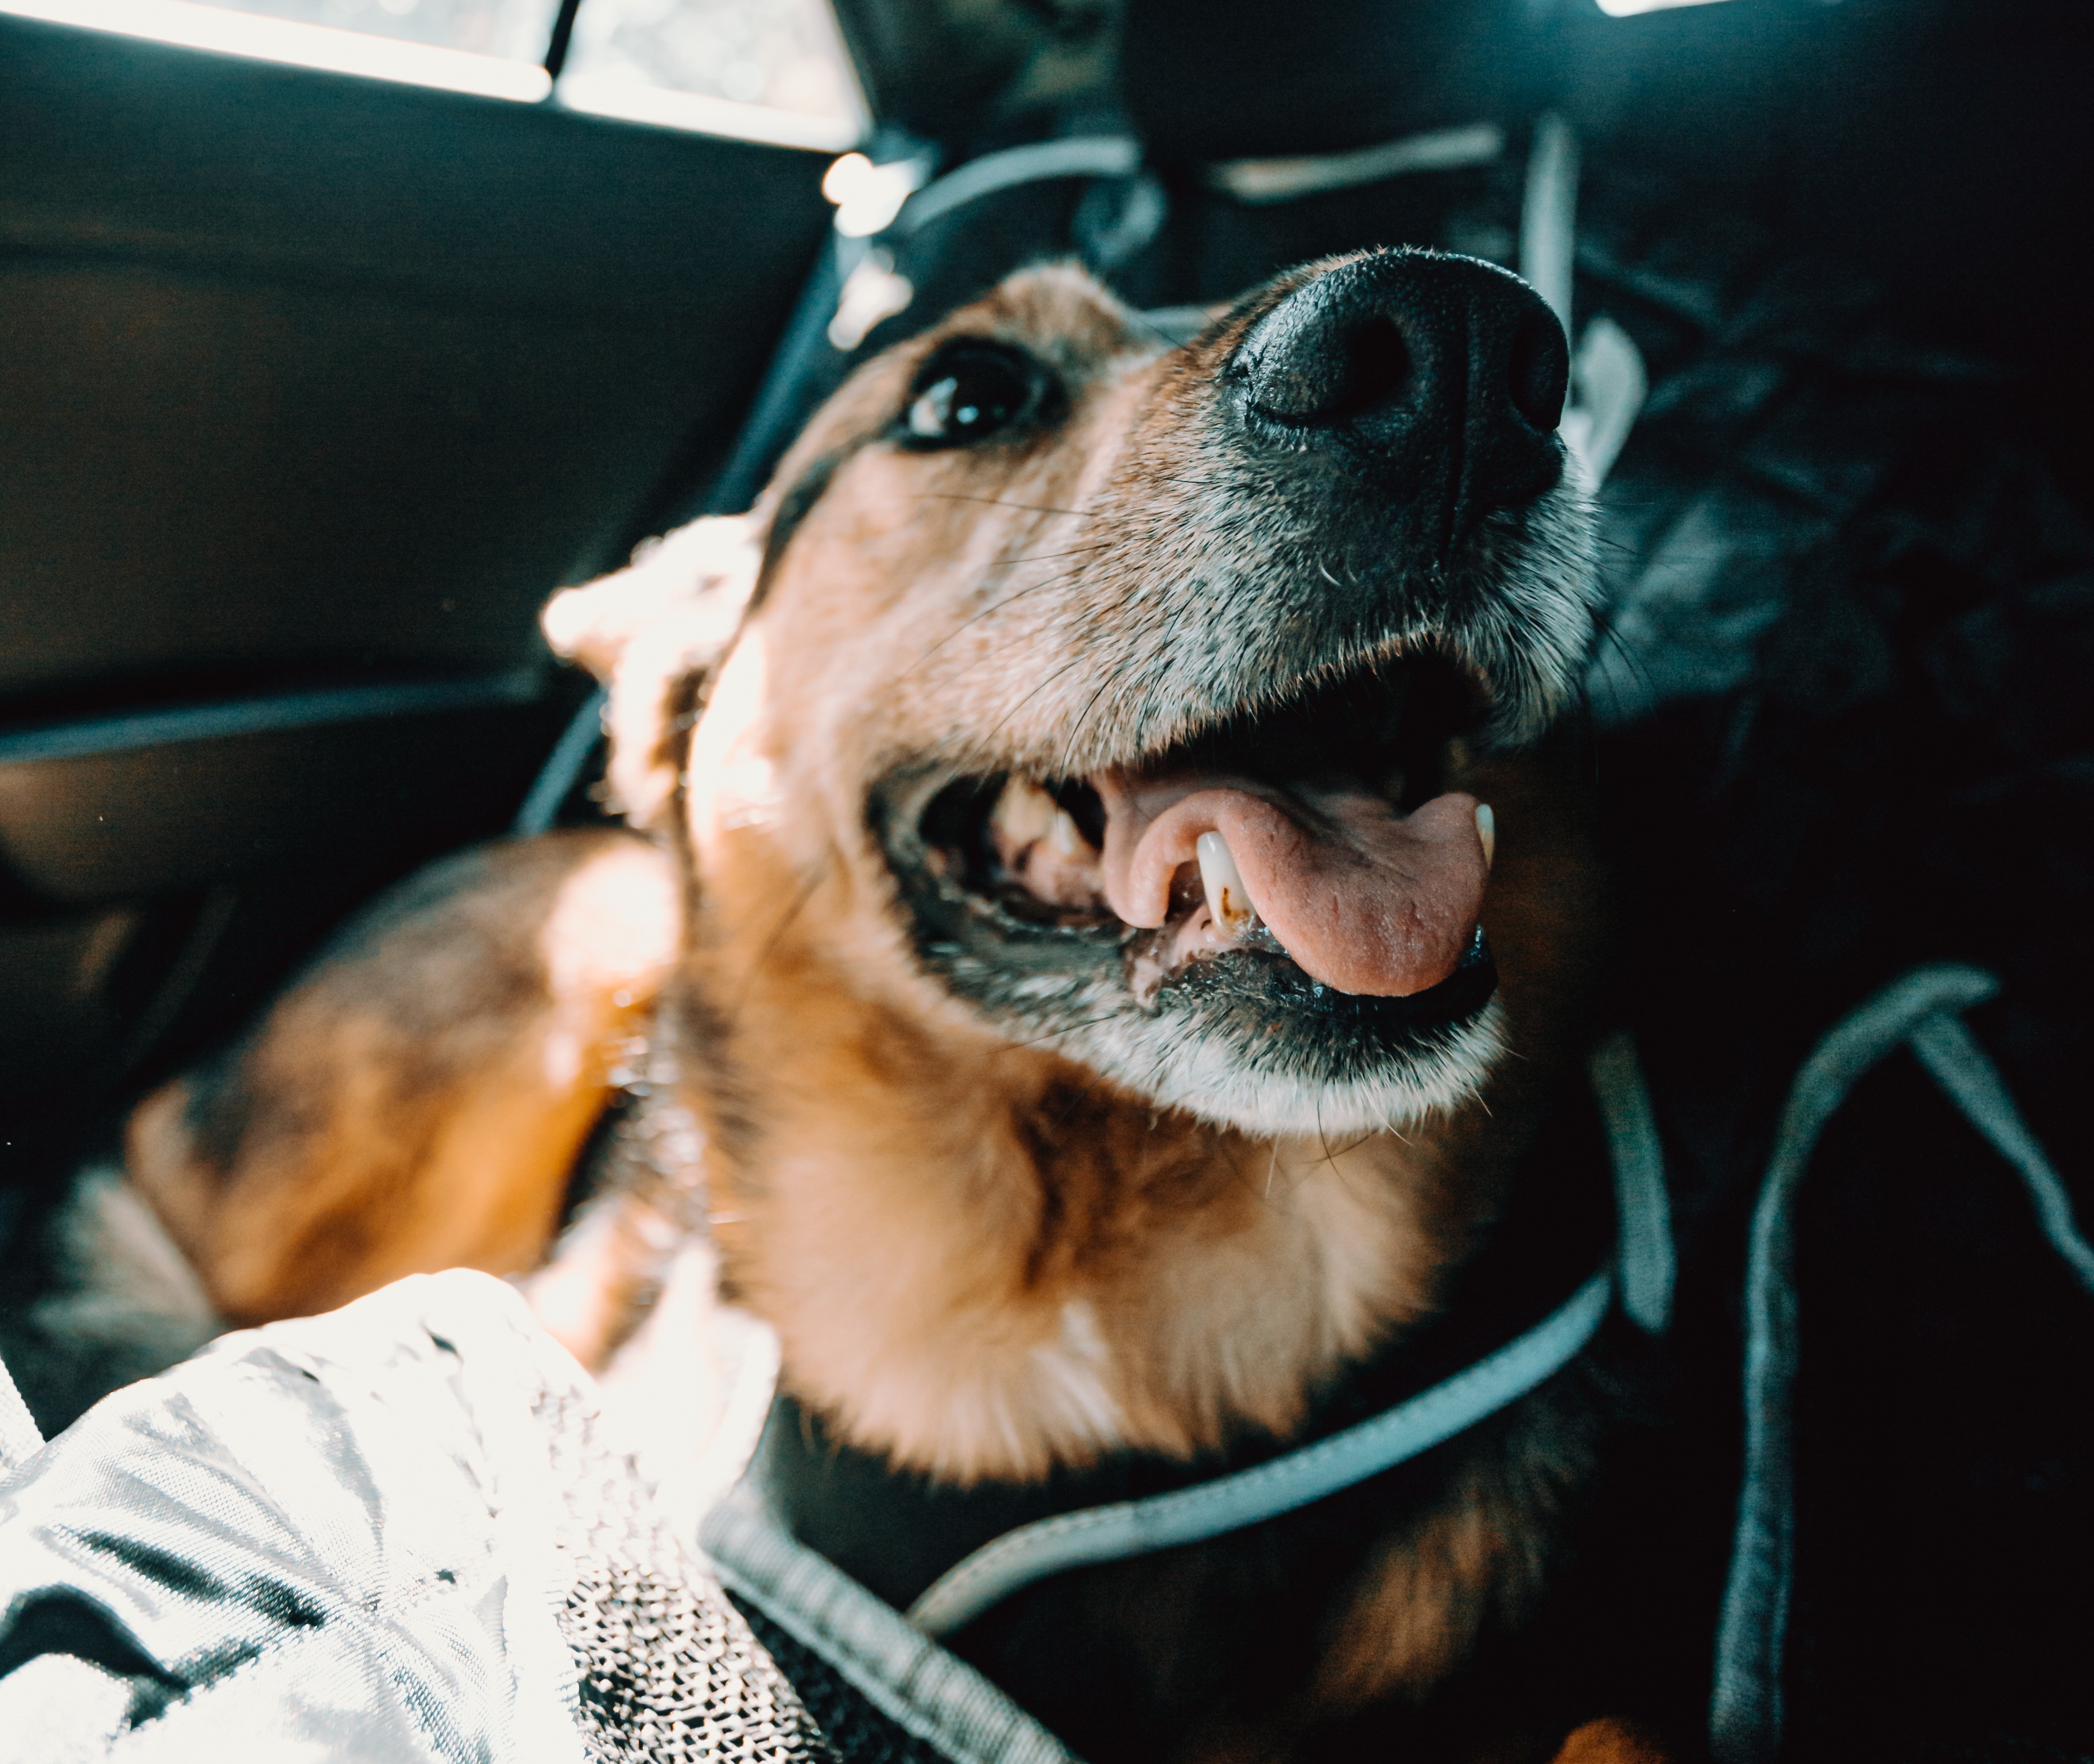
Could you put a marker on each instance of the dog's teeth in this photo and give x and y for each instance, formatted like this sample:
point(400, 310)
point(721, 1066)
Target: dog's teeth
point(1227, 899)
point(1487, 830)
point(1023, 813)
point(1066, 838)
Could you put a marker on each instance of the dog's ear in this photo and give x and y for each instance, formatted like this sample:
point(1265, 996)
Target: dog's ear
point(652, 633)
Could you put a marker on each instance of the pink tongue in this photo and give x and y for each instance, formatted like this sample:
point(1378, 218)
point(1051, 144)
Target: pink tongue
point(1364, 899)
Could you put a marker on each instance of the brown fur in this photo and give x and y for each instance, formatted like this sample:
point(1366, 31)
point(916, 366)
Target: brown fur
point(1611, 1742)
point(417, 1100)
point(984, 1258)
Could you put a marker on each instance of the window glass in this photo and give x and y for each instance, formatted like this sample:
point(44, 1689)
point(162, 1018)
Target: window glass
point(682, 61)
point(516, 30)
point(493, 47)
point(770, 69)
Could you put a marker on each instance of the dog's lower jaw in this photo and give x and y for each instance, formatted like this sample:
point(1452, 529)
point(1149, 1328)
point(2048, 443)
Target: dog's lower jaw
point(1207, 1075)
point(986, 1262)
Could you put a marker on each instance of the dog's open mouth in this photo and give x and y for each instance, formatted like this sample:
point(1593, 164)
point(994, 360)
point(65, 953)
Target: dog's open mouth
point(1316, 846)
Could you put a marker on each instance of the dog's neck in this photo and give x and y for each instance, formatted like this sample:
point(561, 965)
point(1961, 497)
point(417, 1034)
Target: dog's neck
point(982, 1264)
point(898, 1532)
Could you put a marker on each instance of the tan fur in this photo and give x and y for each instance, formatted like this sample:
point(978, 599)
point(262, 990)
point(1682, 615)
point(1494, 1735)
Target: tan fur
point(1427, 1590)
point(990, 1263)
point(418, 1104)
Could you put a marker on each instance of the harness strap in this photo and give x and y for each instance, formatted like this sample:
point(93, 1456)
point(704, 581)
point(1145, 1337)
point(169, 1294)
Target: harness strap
point(1228, 1503)
point(1952, 1056)
point(1643, 1214)
point(1110, 1532)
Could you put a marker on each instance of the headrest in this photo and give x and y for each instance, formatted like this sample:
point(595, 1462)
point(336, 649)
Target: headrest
point(1212, 79)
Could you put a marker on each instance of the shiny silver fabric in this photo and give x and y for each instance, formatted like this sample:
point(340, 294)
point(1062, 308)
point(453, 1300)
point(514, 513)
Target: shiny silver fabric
point(391, 1533)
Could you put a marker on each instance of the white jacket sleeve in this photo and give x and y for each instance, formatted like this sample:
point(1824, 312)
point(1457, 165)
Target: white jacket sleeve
point(369, 1535)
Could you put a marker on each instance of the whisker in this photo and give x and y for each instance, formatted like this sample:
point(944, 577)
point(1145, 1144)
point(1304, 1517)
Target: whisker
point(998, 502)
point(785, 923)
point(1330, 1157)
point(1069, 746)
point(1016, 593)
point(1056, 557)
point(1142, 322)
point(1081, 1098)
point(1067, 1029)
point(1004, 720)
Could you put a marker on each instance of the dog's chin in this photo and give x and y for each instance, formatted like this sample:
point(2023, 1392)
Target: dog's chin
point(1278, 1085)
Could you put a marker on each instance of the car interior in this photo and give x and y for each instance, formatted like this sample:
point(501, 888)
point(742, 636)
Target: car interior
point(315, 384)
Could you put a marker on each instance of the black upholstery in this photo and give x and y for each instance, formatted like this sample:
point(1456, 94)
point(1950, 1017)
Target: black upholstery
point(312, 388)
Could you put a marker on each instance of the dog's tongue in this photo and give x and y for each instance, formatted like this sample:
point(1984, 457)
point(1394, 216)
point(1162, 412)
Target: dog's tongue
point(1364, 899)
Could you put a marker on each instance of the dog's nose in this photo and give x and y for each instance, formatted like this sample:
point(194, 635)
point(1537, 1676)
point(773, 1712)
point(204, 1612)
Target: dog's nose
point(1435, 378)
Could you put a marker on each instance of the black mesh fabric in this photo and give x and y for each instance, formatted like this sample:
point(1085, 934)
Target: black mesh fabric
point(856, 1732)
point(669, 1673)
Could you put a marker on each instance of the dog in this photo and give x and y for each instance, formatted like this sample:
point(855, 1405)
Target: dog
point(1118, 918)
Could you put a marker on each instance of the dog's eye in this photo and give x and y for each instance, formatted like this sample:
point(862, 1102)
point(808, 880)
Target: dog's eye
point(967, 391)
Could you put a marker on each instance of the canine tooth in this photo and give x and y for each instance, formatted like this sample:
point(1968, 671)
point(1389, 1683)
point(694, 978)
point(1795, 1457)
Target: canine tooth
point(1066, 836)
point(1227, 899)
point(1023, 813)
point(1487, 830)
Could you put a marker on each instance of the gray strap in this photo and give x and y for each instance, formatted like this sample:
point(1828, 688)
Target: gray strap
point(1074, 156)
point(1134, 1527)
point(905, 1675)
point(1127, 1528)
point(563, 767)
point(1745, 1710)
point(1951, 1053)
point(1644, 1214)
point(1260, 181)
point(21, 1438)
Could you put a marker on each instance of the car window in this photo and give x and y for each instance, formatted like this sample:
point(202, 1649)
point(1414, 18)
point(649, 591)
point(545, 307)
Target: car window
point(647, 59)
point(764, 69)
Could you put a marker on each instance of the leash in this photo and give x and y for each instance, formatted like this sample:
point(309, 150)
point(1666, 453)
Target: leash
point(1920, 1011)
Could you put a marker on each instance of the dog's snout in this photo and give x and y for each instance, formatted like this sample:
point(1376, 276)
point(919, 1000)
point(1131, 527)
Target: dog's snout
point(1439, 379)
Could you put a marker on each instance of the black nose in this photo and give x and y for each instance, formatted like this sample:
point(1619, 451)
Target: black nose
point(1439, 380)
